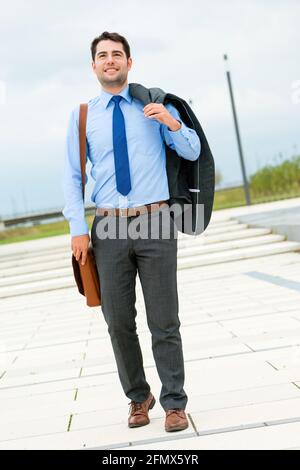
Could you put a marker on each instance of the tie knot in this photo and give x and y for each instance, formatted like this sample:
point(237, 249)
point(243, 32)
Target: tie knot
point(116, 99)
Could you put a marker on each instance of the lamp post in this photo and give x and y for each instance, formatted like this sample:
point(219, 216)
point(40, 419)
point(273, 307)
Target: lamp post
point(246, 186)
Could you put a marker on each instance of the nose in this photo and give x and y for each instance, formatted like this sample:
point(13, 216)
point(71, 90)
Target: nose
point(109, 59)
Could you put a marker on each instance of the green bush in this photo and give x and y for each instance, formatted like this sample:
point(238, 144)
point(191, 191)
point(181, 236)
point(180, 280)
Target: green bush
point(282, 178)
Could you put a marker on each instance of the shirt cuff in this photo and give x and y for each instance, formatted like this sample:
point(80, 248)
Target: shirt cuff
point(184, 131)
point(178, 120)
point(78, 227)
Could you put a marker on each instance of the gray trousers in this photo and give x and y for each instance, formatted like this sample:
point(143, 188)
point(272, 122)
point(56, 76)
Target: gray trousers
point(155, 259)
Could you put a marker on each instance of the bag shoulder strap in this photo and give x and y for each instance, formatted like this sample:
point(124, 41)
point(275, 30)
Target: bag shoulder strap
point(82, 142)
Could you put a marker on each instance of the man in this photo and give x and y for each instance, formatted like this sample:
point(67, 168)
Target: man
point(126, 146)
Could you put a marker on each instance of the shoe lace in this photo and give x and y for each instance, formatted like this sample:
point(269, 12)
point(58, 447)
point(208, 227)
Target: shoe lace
point(134, 407)
point(177, 411)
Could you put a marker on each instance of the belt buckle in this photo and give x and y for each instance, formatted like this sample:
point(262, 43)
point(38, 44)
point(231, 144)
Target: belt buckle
point(121, 212)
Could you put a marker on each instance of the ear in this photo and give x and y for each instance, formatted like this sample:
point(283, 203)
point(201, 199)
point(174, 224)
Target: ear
point(129, 63)
point(93, 66)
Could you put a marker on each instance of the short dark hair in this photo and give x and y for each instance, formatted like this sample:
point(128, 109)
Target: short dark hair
point(113, 37)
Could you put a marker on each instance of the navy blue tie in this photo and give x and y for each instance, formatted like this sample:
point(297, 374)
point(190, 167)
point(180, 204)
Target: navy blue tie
point(120, 149)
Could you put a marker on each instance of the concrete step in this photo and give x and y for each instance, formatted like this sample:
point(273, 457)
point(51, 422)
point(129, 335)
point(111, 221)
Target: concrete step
point(238, 254)
point(222, 237)
point(36, 258)
point(31, 247)
point(211, 230)
point(26, 278)
point(37, 286)
point(33, 268)
point(230, 245)
point(215, 225)
point(219, 223)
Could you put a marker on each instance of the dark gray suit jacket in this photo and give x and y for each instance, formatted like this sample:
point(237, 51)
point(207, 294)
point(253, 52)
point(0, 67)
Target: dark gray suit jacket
point(191, 183)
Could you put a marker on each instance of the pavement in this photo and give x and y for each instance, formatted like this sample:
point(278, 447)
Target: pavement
point(239, 293)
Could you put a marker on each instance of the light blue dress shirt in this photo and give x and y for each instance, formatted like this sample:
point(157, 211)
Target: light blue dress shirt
point(146, 153)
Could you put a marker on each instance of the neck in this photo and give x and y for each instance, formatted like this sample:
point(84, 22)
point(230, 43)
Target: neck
point(115, 90)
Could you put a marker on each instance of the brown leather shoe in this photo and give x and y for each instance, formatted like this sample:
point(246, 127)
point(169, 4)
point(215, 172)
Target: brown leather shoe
point(176, 420)
point(139, 412)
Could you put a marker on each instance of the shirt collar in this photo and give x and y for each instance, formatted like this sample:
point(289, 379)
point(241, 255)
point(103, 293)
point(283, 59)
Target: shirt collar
point(106, 97)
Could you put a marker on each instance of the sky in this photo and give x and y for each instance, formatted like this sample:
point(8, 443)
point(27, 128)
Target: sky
point(45, 71)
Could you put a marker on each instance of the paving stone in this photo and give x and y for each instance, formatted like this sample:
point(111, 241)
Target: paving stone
point(263, 438)
point(33, 427)
point(247, 415)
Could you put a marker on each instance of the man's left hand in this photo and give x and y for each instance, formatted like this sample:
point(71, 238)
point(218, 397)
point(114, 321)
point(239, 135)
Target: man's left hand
point(160, 113)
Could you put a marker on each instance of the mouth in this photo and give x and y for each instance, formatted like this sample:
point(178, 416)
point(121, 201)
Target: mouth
point(111, 70)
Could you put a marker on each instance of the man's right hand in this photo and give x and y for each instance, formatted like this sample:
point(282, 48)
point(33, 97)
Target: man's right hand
point(79, 246)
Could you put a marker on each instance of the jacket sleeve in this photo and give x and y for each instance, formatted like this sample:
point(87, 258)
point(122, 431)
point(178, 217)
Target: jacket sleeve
point(185, 141)
point(73, 210)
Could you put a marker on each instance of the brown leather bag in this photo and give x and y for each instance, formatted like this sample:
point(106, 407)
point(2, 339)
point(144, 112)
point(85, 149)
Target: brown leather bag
point(86, 276)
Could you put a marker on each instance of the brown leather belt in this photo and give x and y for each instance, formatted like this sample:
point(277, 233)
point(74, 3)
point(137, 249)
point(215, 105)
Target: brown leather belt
point(130, 211)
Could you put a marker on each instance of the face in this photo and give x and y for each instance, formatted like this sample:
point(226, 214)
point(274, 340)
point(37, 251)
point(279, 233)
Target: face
point(111, 64)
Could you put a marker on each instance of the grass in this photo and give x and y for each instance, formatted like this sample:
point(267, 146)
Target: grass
point(236, 197)
point(20, 234)
point(223, 199)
